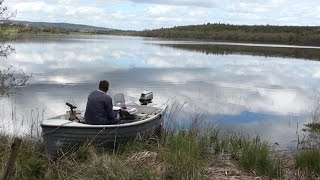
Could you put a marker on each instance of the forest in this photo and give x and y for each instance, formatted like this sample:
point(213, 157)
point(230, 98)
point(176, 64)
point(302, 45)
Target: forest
point(299, 35)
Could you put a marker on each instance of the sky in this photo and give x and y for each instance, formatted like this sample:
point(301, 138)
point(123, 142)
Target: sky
point(153, 14)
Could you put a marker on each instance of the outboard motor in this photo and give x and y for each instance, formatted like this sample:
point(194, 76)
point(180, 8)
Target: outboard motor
point(146, 97)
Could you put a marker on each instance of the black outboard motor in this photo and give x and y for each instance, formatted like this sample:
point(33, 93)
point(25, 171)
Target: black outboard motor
point(146, 97)
point(73, 114)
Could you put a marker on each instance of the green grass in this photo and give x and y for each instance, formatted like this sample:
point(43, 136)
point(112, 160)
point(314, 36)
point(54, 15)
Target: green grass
point(184, 152)
point(179, 154)
point(255, 155)
point(31, 162)
point(309, 160)
point(108, 166)
point(251, 154)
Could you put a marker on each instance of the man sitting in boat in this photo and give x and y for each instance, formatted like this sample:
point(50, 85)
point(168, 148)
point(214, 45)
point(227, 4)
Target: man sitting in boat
point(99, 106)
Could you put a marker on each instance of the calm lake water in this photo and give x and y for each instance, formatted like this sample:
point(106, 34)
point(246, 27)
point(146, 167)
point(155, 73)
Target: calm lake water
point(271, 95)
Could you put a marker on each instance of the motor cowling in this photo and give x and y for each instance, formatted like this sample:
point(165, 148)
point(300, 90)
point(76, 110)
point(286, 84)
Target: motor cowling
point(146, 97)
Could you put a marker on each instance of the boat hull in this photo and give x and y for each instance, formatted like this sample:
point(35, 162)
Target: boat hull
point(62, 137)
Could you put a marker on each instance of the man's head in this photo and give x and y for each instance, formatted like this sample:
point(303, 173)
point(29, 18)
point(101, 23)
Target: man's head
point(104, 85)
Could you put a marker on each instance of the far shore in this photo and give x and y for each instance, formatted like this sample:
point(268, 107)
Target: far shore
point(276, 35)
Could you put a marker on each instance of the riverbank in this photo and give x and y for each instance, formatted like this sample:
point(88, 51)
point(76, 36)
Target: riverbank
point(183, 154)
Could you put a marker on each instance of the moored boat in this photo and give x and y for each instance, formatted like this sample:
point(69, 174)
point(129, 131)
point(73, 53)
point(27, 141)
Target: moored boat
point(60, 133)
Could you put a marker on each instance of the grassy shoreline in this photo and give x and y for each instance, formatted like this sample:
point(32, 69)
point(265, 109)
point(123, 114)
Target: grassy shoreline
point(181, 154)
point(192, 152)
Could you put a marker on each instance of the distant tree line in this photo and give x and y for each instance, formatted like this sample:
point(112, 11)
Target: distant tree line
point(32, 29)
point(35, 29)
point(304, 35)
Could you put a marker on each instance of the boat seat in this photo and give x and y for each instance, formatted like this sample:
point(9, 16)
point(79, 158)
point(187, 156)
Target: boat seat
point(119, 101)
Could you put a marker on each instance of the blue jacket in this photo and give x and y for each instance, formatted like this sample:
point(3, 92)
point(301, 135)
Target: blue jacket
point(99, 109)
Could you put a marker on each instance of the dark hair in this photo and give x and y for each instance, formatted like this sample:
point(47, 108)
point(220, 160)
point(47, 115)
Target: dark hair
point(104, 85)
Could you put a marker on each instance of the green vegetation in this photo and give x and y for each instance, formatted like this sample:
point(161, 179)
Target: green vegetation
point(36, 30)
point(302, 35)
point(256, 155)
point(182, 154)
point(179, 153)
point(251, 154)
point(309, 160)
point(18, 30)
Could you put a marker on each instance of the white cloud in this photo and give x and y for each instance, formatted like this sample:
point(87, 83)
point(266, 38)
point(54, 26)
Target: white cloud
point(198, 13)
point(29, 58)
point(281, 12)
point(162, 61)
point(145, 14)
point(201, 3)
point(32, 6)
point(62, 11)
point(178, 13)
point(162, 9)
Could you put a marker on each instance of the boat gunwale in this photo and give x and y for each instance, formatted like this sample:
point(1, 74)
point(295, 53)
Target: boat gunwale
point(79, 125)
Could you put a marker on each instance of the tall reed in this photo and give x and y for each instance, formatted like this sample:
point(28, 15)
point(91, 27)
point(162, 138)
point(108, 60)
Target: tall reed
point(309, 160)
point(184, 152)
point(255, 156)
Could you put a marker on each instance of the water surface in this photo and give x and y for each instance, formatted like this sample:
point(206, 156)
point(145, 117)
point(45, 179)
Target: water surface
point(269, 94)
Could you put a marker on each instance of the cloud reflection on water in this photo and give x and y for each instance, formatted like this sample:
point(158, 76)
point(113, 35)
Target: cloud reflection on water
point(273, 91)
